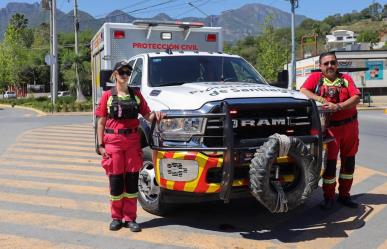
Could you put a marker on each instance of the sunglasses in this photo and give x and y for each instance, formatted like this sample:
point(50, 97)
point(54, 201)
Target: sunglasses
point(124, 72)
point(333, 63)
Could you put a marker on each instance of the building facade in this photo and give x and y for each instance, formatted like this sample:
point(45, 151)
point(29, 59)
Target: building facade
point(372, 77)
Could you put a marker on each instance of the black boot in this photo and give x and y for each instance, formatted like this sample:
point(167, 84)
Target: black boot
point(133, 226)
point(346, 201)
point(327, 204)
point(115, 225)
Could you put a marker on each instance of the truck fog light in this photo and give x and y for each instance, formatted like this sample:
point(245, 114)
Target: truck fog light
point(178, 170)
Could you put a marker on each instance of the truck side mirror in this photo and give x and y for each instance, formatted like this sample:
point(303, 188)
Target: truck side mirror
point(282, 79)
point(104, 79)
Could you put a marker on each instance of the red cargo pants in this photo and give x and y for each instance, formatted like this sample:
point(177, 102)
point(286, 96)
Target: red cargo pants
point(122, 164)
point(347, 143)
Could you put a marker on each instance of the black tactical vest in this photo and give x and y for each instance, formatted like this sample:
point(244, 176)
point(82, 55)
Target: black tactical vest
point(123, 109)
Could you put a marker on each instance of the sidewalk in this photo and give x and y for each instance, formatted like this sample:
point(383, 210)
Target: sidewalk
point(378, 103)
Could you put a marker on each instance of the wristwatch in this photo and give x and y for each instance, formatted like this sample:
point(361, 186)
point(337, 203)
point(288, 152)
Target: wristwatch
point(101, 145)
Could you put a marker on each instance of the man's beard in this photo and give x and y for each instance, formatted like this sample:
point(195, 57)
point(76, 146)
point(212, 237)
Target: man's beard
point(330, 72)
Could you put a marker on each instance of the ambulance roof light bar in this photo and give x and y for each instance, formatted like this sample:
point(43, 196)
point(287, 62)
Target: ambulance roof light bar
point(185, 25)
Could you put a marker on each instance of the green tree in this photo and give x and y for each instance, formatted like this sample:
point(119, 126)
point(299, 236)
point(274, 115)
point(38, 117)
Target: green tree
point(20, 25)
point(384, 12)
point(368, 36)
point(15, 54)
point(3, 69)
point(18, 21)
point(272, 53)
point(375, 11)
point(68, 60)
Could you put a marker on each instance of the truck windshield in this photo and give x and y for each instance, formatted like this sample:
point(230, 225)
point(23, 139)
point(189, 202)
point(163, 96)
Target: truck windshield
point(178, 70)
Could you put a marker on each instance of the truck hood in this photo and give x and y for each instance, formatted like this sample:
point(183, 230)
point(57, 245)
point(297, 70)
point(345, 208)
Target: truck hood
point(191, 96)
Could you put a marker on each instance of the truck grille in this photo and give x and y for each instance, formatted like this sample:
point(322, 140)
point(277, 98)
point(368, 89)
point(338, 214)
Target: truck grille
point(257, 121)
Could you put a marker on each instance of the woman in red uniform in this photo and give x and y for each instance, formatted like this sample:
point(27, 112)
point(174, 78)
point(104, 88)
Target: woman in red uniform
point(120, 145)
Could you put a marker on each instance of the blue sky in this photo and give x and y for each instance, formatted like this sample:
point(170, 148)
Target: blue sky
point(316, 9)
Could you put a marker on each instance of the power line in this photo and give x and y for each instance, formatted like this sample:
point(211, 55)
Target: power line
point(192, 8)
point(170, 7)
point(134, 4)
point(134, 11)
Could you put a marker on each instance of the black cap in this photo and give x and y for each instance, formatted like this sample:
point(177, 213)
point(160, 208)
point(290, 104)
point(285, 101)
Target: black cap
point(122, 64)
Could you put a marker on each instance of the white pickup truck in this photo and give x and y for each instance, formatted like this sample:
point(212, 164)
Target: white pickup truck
point(217, 141)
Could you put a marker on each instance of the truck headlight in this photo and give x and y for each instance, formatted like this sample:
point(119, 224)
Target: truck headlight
point(181, 129)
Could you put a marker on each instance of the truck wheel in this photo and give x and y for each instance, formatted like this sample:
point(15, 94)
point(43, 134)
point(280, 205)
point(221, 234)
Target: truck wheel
point(149, 194)
point(263, 185)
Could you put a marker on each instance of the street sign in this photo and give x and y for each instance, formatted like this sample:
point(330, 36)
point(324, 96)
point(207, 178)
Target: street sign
point(49, 59)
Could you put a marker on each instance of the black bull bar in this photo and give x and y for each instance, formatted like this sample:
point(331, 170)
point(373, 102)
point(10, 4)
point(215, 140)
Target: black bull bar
point(229, 148)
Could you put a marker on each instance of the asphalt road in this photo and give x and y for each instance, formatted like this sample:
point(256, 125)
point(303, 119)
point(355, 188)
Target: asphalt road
point(54, 194)
point(14, 121)
point(373, 140)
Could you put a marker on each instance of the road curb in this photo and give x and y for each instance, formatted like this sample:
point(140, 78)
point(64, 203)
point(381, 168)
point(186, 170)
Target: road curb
point(41, 113)
point(372, 109)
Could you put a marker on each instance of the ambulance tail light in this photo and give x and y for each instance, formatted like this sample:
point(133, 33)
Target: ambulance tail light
point(211, 37)
point(119, 34)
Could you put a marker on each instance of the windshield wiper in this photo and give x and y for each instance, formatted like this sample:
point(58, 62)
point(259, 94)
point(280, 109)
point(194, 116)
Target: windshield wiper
point(174, 84)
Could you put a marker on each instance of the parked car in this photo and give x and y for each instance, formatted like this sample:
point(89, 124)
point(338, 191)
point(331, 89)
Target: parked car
point(63, 93)
point(10, 95)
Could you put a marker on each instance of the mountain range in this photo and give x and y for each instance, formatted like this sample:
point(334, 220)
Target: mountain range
point(236, 23)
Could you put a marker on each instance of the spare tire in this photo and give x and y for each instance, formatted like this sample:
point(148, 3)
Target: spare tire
point(261, 182)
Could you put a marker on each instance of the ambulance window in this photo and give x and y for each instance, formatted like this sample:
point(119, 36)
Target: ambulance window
point(135, 79)
point(131, 63)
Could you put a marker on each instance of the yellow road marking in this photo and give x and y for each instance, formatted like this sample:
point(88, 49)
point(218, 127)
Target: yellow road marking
point(11, 163)
point(78, 189)
point(384, 245)
point(56, 202)
point(336, 227)
point(54, 146)
point(14, 241)
point(53, 152)
point(55, 141)
point(361, 173)
point(152, 235)
point(65, 129)
point(85, 126)
point(64, 135)
point(373, 170)
point(60, 131)
point(53, 175)
point(52, 158)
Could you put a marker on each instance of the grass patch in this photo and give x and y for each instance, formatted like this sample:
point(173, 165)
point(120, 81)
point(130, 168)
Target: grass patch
point(63, 104)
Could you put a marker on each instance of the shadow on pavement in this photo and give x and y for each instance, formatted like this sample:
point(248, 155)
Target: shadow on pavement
point(253, 221)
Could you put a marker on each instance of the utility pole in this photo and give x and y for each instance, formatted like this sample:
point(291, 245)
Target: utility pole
point(294, 4)
point(201, 11)
point(80, 97)
point(53, 56)
point(54, 67)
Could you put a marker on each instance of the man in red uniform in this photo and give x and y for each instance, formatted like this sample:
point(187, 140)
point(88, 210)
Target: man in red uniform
point(120, 145)
point(338, 93)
